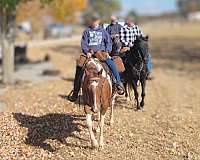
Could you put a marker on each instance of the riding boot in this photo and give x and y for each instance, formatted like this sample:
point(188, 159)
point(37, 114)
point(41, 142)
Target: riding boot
point(77, 84)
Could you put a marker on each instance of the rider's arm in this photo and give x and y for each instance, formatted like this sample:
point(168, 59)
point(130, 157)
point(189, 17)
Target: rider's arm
point(84, 43)
point(140, 33)
point(122, 36)
point(108, 42)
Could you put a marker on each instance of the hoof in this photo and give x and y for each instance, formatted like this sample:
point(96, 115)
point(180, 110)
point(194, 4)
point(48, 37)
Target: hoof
point(141, 104)
point(98, 129)
point(101, 146)
point(95, 145)
point(95, 110)
point(111, 123)
point(128, 99)
point(138, 108)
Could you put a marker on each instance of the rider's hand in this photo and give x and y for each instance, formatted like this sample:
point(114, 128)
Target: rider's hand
point(89, 55)
point(124, 49)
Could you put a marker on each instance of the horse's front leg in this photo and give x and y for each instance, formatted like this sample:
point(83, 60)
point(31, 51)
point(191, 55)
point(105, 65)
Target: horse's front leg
point(143, 84)
point(136, 94)
point(99, 118)
point(89, 124)
point(101, 144)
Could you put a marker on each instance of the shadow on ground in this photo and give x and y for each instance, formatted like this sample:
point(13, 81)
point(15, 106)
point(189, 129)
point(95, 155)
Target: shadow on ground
point(67, 79)
point(51, 126)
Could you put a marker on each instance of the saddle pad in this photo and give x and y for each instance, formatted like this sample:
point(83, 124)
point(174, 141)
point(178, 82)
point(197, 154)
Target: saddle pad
point(102, 56)
point(81, 60)
point(108, 71)
point(119, 63)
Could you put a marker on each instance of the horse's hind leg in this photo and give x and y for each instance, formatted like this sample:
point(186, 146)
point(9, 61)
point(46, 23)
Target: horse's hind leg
point(143, 84)
point(126, 92)
point(112, 108)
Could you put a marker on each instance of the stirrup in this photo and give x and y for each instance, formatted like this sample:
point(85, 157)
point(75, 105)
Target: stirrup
point(70, 94)
point(120, 89)
point(72, 97)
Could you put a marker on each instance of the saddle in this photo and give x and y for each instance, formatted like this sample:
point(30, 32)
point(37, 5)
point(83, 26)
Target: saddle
point(102, 56)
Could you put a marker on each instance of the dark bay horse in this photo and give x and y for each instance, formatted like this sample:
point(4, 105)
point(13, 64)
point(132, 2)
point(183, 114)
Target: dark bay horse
point(98, 96)
point(136, 69)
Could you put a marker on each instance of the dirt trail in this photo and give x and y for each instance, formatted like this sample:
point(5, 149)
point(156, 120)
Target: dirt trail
point(38, 118)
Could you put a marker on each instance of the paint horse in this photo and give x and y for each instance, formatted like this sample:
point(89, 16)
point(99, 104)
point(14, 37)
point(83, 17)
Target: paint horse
point(98, 96)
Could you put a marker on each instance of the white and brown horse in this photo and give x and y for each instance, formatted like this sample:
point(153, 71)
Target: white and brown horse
point(98, 96)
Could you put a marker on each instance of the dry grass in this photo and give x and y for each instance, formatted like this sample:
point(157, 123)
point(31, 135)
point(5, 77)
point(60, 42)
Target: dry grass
point(173, 30)
point(38, 119)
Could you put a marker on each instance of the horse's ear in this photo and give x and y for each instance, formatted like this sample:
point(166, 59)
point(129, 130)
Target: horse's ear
point(100, 72)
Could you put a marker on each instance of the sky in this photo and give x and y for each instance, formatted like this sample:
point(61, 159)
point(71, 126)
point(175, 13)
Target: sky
point(148, 7)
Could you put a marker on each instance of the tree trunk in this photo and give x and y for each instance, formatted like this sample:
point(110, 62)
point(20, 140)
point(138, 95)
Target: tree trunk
point(7, 45)
point(8, 61)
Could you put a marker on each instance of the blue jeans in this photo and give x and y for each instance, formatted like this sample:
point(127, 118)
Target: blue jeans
point(113, 68)
point(149, 64)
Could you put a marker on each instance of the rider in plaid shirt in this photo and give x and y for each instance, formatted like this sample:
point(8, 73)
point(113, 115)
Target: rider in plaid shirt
point(129, 32)
point(128, 35)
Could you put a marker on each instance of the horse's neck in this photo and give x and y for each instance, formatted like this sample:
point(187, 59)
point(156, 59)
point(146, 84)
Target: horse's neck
point(132, 58)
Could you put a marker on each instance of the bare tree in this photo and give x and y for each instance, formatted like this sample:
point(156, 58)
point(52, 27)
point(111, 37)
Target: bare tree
point(7, 33)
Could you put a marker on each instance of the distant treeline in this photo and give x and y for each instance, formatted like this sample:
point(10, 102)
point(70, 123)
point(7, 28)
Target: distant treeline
point(188, 6)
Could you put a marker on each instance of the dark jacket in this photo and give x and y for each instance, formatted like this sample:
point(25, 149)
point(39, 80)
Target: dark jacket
point(96, 39)
point(114, 29)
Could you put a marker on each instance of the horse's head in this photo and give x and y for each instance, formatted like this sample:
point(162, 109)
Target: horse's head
point(137, 56)
point(140, 48)
point(93, 69)
point(93, 83)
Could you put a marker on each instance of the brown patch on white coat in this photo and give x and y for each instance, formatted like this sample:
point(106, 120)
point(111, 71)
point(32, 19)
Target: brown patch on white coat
point(97, 97)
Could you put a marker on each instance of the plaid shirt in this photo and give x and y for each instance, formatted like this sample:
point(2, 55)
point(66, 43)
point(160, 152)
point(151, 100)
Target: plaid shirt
point(128, 35)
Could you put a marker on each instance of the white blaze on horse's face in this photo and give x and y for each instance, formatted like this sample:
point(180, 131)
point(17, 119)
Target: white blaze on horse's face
point(98, 66)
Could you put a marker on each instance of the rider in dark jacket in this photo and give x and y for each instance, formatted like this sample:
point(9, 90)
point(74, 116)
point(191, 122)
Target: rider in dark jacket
point(96, 39)
point(114, 29)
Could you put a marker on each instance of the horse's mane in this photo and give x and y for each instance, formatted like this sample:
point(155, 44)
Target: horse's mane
point(136, 57)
